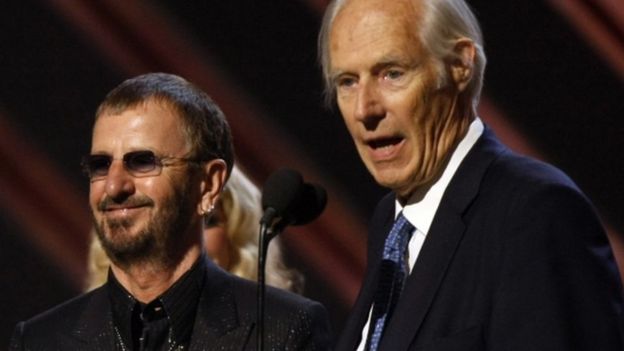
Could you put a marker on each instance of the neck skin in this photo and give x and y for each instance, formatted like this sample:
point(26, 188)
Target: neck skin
point(147, 281)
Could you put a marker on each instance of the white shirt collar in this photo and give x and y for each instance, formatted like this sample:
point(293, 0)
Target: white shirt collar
point(421, 213)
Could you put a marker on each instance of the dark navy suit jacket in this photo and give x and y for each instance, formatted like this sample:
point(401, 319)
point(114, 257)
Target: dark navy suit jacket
point(225, 320)
point(515, 259)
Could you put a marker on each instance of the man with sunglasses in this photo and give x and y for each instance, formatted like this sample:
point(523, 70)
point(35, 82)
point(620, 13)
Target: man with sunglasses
point(161, 153)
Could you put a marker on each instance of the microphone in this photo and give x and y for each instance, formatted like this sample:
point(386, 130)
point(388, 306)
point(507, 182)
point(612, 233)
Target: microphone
point(311, 205)
point(279, 193)
point(288, 200)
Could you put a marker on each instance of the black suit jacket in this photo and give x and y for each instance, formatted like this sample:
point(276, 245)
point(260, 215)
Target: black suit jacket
point(515, 259)
point(225, 320)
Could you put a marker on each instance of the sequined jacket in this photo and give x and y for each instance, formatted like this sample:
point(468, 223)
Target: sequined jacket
point(225, 320)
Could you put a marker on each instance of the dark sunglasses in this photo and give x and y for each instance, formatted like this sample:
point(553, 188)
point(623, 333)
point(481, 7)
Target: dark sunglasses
point(138, 163)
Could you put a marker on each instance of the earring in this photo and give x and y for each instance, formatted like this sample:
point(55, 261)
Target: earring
point(203, 212)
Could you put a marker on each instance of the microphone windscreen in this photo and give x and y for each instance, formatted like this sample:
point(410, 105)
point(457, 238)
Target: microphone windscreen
point(310, 205)
point(281, 190)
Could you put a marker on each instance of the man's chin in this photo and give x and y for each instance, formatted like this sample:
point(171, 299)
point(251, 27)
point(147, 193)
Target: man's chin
point(391, 179)
point(121, 241)
point(121, 230)
point(405, 187)
point(127, 251)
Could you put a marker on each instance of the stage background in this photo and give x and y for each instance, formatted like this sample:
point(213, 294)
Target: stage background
point(553, 90)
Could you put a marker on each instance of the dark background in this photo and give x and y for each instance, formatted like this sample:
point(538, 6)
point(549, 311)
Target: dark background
point(553, 89)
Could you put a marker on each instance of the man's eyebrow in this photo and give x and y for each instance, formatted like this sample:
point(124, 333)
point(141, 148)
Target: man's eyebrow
point(390, 58)
point(394, 59)
point(334, 75)
point(382, 62)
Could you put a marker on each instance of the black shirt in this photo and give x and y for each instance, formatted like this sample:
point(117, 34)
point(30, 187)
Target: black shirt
point(164, 324)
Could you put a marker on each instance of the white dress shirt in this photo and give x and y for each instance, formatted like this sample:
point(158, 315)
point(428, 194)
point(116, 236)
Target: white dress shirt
point(420, 212)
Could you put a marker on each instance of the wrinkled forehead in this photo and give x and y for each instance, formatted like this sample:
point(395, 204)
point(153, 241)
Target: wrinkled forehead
point(358, 19)
point(409, 12)
point(374, 28)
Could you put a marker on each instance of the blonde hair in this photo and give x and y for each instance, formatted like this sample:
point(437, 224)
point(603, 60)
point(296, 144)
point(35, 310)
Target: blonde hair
point(240, 203)
point(98, 263)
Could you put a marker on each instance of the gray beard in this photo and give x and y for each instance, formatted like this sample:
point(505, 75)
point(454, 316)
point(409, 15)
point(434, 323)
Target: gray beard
point(161, 244)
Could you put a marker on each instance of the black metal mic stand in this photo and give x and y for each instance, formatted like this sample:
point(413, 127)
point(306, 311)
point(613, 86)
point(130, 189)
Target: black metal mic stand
point(267, 233)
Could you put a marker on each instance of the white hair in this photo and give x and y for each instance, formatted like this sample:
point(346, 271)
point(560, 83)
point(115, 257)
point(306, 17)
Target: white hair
point(444, 22)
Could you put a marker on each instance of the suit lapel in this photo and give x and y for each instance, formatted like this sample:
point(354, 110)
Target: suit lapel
point(444, 237)
point(94, 327)
point(217, 324)
point(422, 284)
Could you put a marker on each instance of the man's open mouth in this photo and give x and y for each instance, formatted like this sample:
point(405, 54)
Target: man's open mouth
point(384, 142)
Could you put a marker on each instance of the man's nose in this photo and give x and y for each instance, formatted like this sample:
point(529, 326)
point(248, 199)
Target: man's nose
point(369, 108)
point(119, 183)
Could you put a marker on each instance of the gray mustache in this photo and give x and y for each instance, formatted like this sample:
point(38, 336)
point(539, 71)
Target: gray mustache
point(134, 201)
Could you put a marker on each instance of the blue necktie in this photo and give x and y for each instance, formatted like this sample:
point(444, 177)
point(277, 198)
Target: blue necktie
point(391, 276)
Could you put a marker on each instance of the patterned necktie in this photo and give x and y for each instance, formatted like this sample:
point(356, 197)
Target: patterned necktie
point(392, 274)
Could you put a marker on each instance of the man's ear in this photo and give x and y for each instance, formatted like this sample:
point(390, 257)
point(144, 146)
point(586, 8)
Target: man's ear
point(214, 176)
point(462, 65)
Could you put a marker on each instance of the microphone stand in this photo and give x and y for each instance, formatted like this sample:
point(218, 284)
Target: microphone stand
point(267, 233)
point(287, 202)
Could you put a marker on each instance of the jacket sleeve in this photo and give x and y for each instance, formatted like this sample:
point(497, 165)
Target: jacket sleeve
point(291, 322)
point(314, 330)
point(559, 285)
point(16, 339)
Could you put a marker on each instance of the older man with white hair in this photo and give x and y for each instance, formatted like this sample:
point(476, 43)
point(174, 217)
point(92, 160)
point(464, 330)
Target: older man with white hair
point(475, 248)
